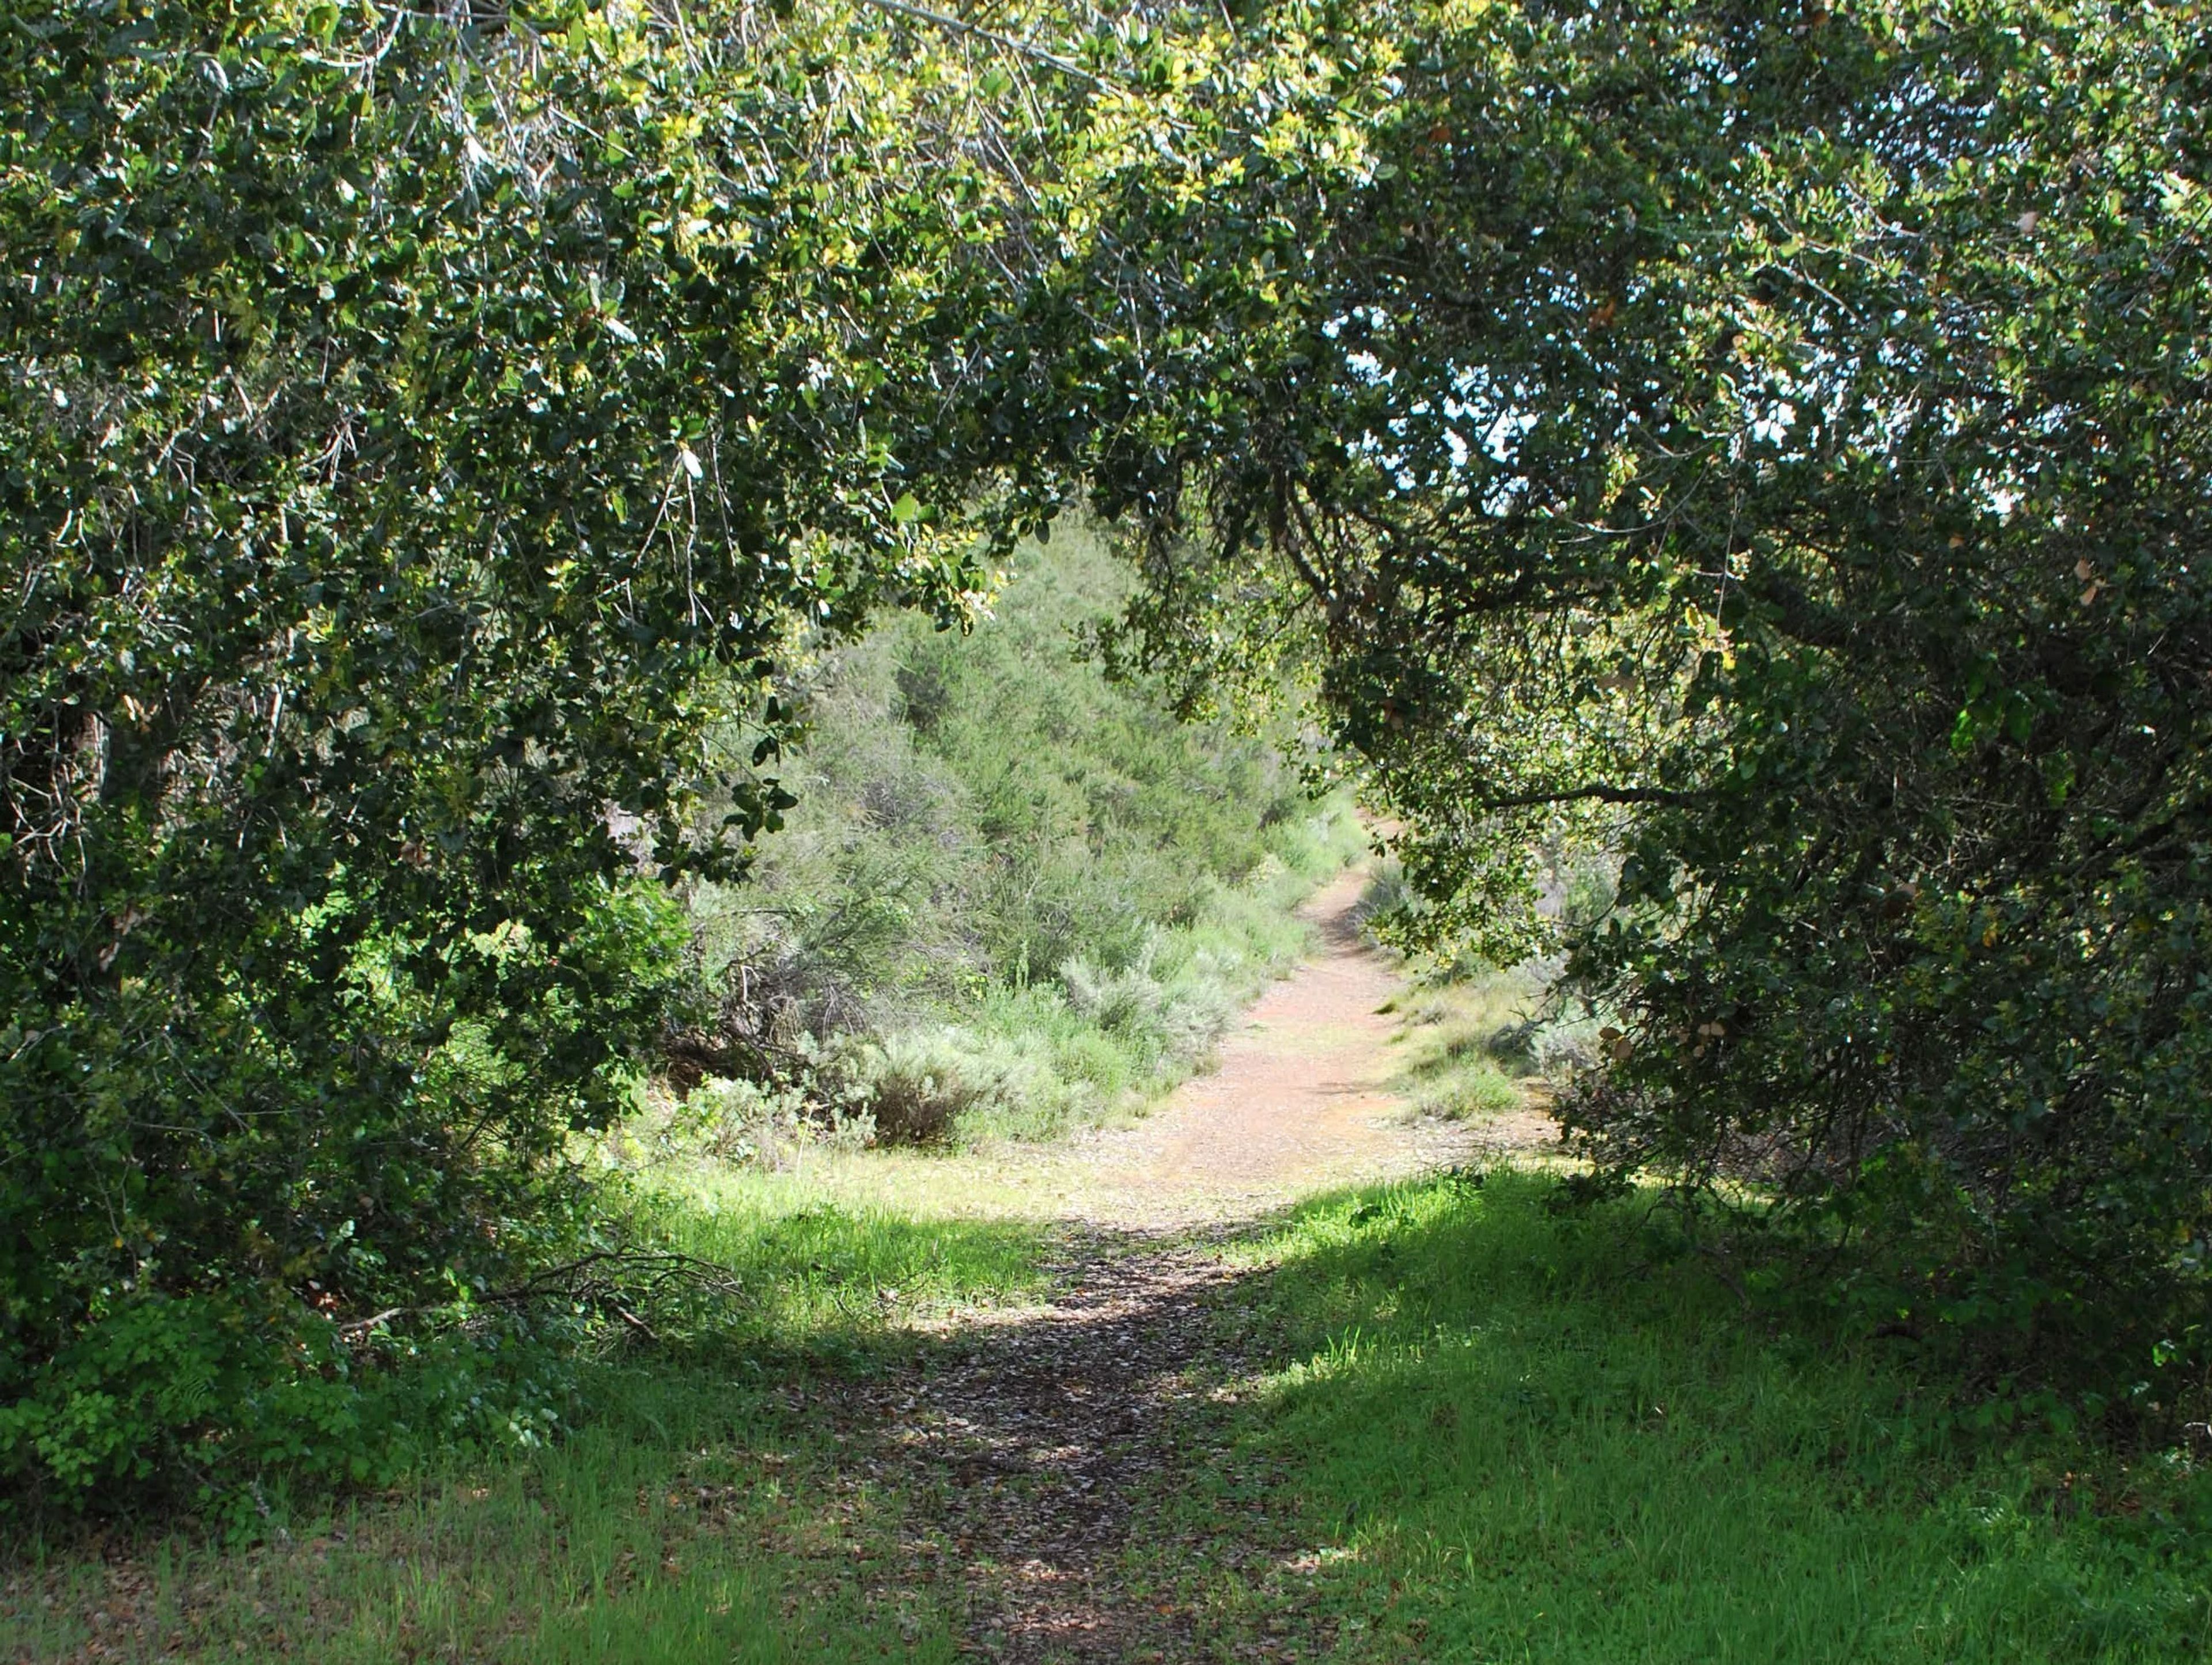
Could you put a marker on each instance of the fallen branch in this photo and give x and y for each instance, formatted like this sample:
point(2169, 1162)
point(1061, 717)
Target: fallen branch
point(659, 1270)
point(360, 1327)
point(617, 1280)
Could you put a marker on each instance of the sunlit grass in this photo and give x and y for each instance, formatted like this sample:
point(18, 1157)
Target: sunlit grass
point(1506, 1434)
point(700, 1507)
point(1465, 1427)
point(1466, 1048)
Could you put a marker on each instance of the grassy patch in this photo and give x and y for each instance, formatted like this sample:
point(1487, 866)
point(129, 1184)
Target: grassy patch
point(702, 1506)
point(695, 1520)
point(1503, 1435)
point(1473, 1046)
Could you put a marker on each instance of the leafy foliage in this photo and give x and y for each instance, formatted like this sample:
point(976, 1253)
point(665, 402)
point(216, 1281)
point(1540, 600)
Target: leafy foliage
point(1761, 445)
point(414, 435)
point(1013, 892)
point(1769, 444)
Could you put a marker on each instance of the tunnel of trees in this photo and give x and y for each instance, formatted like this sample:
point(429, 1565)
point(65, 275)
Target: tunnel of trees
point(1765, 446)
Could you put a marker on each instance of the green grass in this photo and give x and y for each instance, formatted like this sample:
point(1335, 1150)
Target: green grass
point(701, 1506)
point(1456, 1425)
point(1468, 1429)
point(1479, 1039)
point(1505, 1436)
point(1468, 1045)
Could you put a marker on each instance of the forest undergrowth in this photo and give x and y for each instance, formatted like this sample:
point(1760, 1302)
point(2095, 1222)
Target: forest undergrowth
point(1466, 1416)
point(1616, 1461)
point(1013, 898)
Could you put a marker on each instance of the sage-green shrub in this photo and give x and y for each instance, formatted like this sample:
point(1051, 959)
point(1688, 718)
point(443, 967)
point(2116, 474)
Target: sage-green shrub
point(1014, 892)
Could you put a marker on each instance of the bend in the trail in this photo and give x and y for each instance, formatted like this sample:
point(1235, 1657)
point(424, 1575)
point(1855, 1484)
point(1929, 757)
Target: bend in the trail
point(1037, 1437)
point(1299, 1102)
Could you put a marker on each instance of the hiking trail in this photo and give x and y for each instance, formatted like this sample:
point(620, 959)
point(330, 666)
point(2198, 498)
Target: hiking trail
point(1036, 1436)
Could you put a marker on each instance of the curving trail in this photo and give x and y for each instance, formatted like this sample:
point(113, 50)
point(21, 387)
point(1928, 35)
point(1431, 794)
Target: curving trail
point(1298, 1103)
point(1038, 1435)
point(1019, 1466)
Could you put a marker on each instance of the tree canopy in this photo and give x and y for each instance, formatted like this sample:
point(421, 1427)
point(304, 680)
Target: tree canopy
point(416, 433)
point(1764, 445)
point(1769, 445)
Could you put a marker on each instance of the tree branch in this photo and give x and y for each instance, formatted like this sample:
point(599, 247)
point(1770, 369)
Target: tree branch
point(1010, 43)
point(1600, 793)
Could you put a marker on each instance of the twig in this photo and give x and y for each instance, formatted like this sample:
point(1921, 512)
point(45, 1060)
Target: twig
point(651, 1273)
point(361, 1327)
point(1010, 43)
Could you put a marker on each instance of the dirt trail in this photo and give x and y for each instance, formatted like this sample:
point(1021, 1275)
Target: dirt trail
point(1299, 1102)
point(1038, 1435)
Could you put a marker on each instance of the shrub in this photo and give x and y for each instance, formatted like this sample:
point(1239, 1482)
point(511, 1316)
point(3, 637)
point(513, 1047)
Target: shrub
point(361, 651)
point(767, 1125)
point(1129, 1003)
point(1012, 891)
point(203, 1399)
point(1811, 511)
point(916, 1085)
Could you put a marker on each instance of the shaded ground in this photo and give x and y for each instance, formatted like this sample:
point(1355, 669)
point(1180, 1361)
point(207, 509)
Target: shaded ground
point(1021, 1475)
point(1039, 1438)
point(1441, 1421)
point(1034, 1442)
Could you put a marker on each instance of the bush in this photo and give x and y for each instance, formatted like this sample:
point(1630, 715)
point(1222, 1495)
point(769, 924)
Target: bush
point(203, 1399)
point(1811, 513)
point(1014, 892)
point(361, 651)
point(764, 1124)
point(917, 1083)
